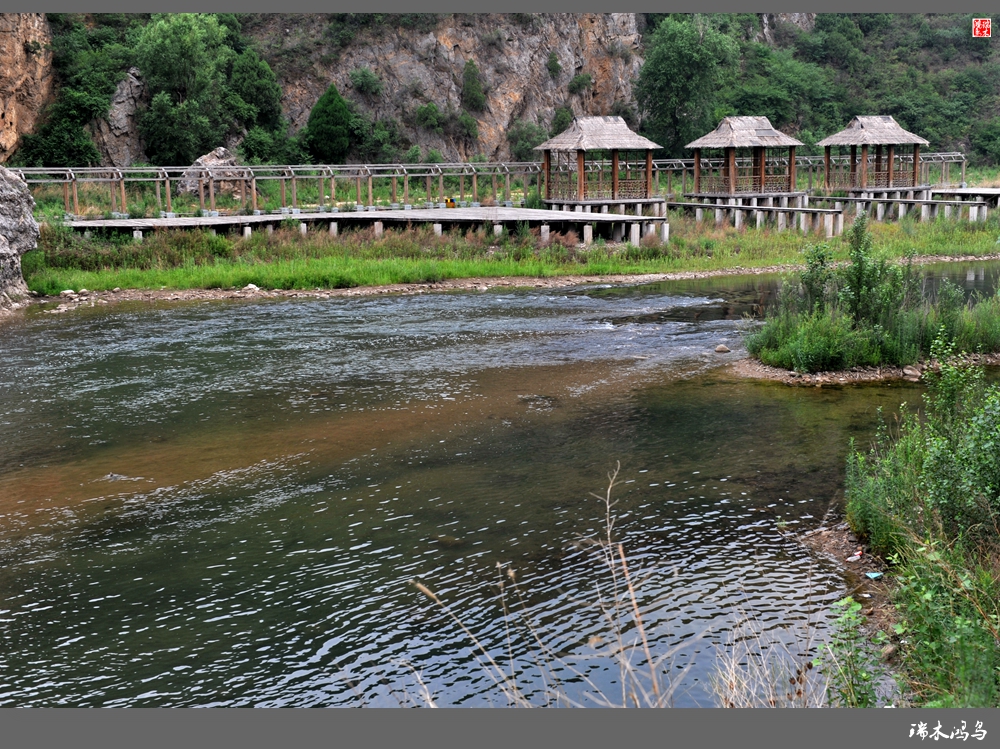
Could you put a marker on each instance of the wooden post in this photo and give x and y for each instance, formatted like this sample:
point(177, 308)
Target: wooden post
point(333, 190)
point(357, 189)
point(406, 188)
point(916, 164)
point(211, 193)
point(963, 173)
point(506, 187)
point(427, 188)
point(121, 186)
point(649, 173)
point(441, 186)
point(322, 195)
point(878, 161)
point(394, 178)
point(201, 193)
point(159, 204)
point(864, 165)
point(546, 165)
point(731, 160)
point(810, 176)
point(792, 176)
point(475, 183)
point(66, 195)
point(614, 174)
point(76, 200)
point(370, 189)
point(166, 184)
point(854, 166)
point(697, 170)
point(295, 193)
point(253, 194)
point(282, 191)
point(826, 167)
point(763, 170)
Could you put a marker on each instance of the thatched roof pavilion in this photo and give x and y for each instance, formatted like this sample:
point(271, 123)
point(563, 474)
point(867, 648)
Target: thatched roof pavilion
point(880, 131)
point(571, 178)
point(756, 176)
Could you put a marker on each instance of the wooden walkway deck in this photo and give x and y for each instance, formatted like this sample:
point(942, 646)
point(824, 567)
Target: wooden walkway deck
point(611, 225)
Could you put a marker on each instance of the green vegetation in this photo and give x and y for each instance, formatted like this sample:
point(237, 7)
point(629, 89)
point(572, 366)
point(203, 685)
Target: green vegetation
point(328, 128)
point(581, 83)
point(553, 65)
point(561, 120)
point(366, 82)
point(524, 136)
point(927, 498)
point(473, 96)
point(869, 313)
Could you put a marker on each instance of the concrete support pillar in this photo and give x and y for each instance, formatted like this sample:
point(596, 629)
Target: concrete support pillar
point(838, 224)
point(137, 235)
point(247, 231)
point(738, 219)
point(879, 211)
point(638, 209)
point(664, 232)
point(804, 201)
point(437, 230)
point(333, 228)
point(634, 233)
point(604, 209)
point(858, 208)
point(803, 222)
point(947, 211)
point(578, 209)
point(587, 209)
point(497, 230)
point(901, 211)
point(783, 202)
point(378, 228)
point(588, 234)
point(699, 214)
point(212, 231)
point(782, 220)
point(758, 217)
point(925, 212)
point(270, 229)
point(828, 224)
point(544, 234)
point(303, 228)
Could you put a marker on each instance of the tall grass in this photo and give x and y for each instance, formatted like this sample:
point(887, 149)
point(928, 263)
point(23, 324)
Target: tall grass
point(927, 497)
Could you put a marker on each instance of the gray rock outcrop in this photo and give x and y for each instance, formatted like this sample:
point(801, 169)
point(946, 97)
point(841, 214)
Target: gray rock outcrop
point(226, 180)
point(18, 234)
point(117, 134)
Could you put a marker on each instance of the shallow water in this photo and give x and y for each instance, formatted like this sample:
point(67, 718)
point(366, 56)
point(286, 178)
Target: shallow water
point(224, 503)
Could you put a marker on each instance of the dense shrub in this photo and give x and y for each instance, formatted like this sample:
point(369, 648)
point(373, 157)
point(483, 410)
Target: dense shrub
point(581, 83)
point(473, 96)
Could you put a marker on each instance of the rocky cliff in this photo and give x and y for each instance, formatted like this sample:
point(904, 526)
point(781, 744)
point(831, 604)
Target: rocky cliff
point(18, 235)
point(25, 75)
point(117, 134)
point(416, 67)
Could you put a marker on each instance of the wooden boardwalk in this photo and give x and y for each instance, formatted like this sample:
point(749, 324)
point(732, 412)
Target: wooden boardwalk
point(612, 225)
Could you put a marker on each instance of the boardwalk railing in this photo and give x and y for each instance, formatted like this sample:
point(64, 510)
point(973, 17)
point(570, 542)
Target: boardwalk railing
point(119, 190)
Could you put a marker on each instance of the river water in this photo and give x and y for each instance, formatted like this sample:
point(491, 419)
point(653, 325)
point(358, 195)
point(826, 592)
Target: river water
point(226, 503)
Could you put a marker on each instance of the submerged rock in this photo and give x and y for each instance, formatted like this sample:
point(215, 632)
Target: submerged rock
point(722, 349)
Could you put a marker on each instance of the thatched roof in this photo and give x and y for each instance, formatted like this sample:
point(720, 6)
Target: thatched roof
point(597, 133)
point(880, 130)
point(744, 132)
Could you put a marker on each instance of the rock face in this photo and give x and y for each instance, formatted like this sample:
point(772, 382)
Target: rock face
point(18, 235)
point(417, 67)
point(117, 135)
point(804, 21)
point(227, 180)
point(25, 75)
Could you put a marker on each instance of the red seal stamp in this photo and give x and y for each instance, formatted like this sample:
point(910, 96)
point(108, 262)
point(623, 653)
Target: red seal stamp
point(981, 27)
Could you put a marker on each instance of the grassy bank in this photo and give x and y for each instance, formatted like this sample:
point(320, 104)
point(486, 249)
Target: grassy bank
point(286, 259)
point(869, 312)
point(927, 497)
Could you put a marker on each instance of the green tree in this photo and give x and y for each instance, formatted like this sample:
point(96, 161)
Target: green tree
point(328, 129)
point(524, 136)
point(687, 61)
point(255, 83)
point(561, 120)
point(473, 96)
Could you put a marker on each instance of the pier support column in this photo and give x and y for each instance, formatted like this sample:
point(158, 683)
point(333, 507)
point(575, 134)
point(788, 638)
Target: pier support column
point(901, 212)
point(247, 231)
point(879, 211)
point(378, 228)
point(303, 228)
point(137, 234)
point(437, 230)
point(947, 211)
point(665, 232)
point(782, 220)
point(638, 209)
point(925, 212)
point(270, 229)
point(212, 231)
point(803, 222)
point(699, 214)
point(498, 229)
point(838, 224)
point(333, 228)
point(737, 219)
point(604, 209)
point(588, 234)
point(758, 218)
point(617, 232)
point(544, 234)
point(634, 234)
point(828, 224)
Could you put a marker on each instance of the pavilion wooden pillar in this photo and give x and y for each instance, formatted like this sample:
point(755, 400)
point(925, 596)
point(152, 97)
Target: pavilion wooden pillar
point(762, 171)
point(546, 166)
point(878, 161)
point(892, 165)
point(614, 174)
point(731, 169)
point(65, 186)
point(253, 194)
point(864, 165)
point(649, 173)
point(395, 183)
point(697, 170)
point(826, 167)
point(792, 176)
point(166, 185)
point(854, 166)
point(581, 185)
point(916, 164)
point(76, 199)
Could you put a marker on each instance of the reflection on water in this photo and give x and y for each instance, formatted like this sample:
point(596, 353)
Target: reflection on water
point(223, 504)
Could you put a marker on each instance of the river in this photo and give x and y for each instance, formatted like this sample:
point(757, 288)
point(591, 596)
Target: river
point(225, 503)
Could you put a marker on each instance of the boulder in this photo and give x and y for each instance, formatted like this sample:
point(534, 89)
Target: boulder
point(117, 134)
point(230, 180)
point(722, 349)
point(18, 234)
